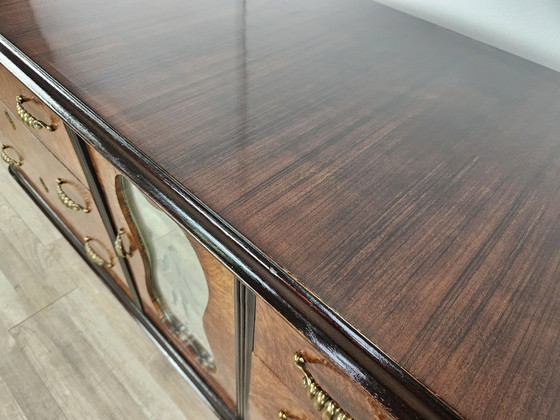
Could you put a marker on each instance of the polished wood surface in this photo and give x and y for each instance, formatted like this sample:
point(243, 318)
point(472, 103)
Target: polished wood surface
point(403, 174)
point(69, 348)
point(107, 175)
point(42, 170)
point(276, 342)
point(219, 315)
point(269, 395)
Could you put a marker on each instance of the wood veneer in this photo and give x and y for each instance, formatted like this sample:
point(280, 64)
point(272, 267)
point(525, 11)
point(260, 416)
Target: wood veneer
point(269, 395)
point(275, 344)
point(41, 170)
point(404, 175)
point(56, 141)
point(219, 315)
point(107, 176)
point(88, 358)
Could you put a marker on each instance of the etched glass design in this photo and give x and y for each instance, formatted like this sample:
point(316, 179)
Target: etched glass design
point(176, 279)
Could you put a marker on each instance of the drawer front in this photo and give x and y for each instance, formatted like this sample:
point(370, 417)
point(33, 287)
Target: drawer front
point(268, 396)
point(169, 267)
point(61, 190)
point(276, 345)
point(56, 141)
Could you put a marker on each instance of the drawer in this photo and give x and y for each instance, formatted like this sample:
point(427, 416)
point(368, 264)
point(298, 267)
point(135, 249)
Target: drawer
point(56, 141)
point(276, 344)
point(61, 190)
point(185, 291)
point(268, 395)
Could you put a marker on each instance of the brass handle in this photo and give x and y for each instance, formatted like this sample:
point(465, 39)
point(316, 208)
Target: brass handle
point(93, 256)
point(7, 158)
point(67, 201)
point(119, 249)
point(29, 119)
point(286, 415)
point(322, 402)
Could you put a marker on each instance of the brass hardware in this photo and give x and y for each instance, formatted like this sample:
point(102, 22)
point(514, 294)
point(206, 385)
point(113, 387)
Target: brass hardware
point(67, 201)
point(29, 119)
point(92, 255)
point(322, 402)
point(119, 245)
point(9, 119)
point(43, 184)
point(8, 159)
point(286, 415)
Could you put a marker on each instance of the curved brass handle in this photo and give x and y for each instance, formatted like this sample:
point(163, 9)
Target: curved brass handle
point(93, 256)
point(29, 119)
point(7, 158)
point(67, 201)
point(322, 402)
point(119, 249)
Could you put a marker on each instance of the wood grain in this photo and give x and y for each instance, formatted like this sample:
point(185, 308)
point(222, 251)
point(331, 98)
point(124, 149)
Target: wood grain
point(361, 359)
point(276, 342)
point(42, 169)
point(23, 261)
point(57, 141)
point(34, 221)
point(8, 405)
point(58, 304)
point(403, 174)
point(218, 319)
point(24, 391)
point(86, 383)
point(269, 395)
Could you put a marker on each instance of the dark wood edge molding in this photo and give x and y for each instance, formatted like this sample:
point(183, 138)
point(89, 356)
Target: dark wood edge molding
point(239, 350)
point(365, 363)
point(245, 324)
point(99, 200)
point(206, 393)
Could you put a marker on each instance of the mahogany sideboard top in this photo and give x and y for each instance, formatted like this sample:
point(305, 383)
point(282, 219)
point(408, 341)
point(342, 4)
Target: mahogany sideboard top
point(400, 181)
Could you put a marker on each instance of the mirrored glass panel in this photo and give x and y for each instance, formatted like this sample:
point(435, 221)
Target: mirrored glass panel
point(176, 280)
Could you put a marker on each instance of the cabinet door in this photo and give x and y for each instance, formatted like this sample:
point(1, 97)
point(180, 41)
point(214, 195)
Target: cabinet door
point(185, 291)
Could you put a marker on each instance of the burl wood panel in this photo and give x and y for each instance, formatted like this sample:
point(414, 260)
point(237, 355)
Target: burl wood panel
point(276, 342)
point(107, 176)
point(42, 169)
point(56, 141)
point(268, 395)
point(219, 316)
point(406, 175)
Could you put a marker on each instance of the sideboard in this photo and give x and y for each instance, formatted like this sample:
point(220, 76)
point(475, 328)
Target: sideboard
point(318, 209)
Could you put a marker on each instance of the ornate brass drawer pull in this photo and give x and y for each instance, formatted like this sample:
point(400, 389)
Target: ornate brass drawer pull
point(8, 159)
point(29, 119)
point(67, 201)
point(323, 403)
point(119, 249)
point(93, 256)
